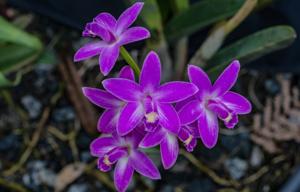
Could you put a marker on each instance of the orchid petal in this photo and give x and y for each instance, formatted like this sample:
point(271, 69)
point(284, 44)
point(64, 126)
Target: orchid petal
point(198, 77)
point(133, 34)
point(227, 79)
point(106, 20)
point(102, 145)
point(169, 150)
point(168, 117)
point(89, 50)
point(236, 103)
point(181, 104)
point(143, 165)
point(108, 58)
point(175, 91)
point(107, 123)
point(128, 17)
point(151, 72)
point(208, 128)
point(124, 89)
point(190, 112)
point(100, 31)
point(152, 139)
point(126, 73)
point(123, 174)
point(100, 97)
point(130, 116)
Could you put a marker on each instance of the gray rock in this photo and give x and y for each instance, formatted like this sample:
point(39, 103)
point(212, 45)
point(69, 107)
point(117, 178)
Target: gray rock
point(32, 106)
point(78, 188)
point(236, 167)
point(257, 156)
point(64, 114)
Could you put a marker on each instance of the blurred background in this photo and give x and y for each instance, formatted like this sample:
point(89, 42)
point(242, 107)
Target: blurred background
point(46, 124)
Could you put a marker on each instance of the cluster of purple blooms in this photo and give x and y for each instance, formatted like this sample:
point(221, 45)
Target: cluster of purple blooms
point(146, 114)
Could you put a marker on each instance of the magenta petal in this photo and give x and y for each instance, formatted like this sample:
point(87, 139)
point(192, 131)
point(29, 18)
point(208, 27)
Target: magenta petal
point(100, 97)
point(102, 145)
point(175, 91)
point(143, 165)
point(169, 150)
point(108, 58)
point(190, 112)
point(168, 117)
point(208, 128)
point(153, 138)
point(236, 103)
point(128, 17)
point(126, 73)
point(123, 174)
point(89, 50)
point(107, 123)
point(200, 79)
point(106, 20)
point(130, 117)
point(124, 89)
point(100, 31)
point(133, 34)
point(227, 79)
point(151, 72)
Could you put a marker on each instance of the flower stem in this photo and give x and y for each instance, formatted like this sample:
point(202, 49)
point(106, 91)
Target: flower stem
point(130, 61)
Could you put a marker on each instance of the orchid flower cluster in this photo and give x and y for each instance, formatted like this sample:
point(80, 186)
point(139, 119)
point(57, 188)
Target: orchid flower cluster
point(145, 113)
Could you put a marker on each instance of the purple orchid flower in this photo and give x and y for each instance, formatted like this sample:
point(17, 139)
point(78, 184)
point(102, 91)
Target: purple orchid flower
point(108, 120)
point(213, 102)
point(149, 102)
point(124, 152)
point(114, 34)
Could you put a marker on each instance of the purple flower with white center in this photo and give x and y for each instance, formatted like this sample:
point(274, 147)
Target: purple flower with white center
point(114, 34)
point(213, 102)
point(149, 101)
point(124, 152)
point(108, 120)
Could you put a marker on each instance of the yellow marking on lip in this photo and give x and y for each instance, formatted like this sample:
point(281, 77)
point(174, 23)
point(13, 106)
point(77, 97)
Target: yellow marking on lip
point(228, 118)
point(151, 117)
point(188, 140)
point(106, 160)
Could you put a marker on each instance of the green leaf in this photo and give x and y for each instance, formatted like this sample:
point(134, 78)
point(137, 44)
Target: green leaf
point(17, 47)
point(200, 15)
point(252, 47)
point(12, 34)
point(4, 82)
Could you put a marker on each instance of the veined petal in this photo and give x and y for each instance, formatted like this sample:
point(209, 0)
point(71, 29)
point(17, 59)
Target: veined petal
point(151, 72)
point(128, 17)
point(168, 117)
point(198, 77)
point(175, 91)
point(143, 165)
point(208, 128)
point(108, 58)
point(169, 150)
point(133, 34)
point(123, 174)
point(153, 138)
point(89, 50)
point(130, 117)
point(124, 89)
point(236, 103)
point(107, 123)
point(190, 112)
point(227, 79)
point(100, 31)
point(106, 20)
point(182, 103)
point(102, 145)
point(100, 97)
point(126, 73)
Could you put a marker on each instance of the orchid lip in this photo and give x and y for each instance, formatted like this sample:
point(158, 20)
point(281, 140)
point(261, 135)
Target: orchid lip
point(188, 140)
